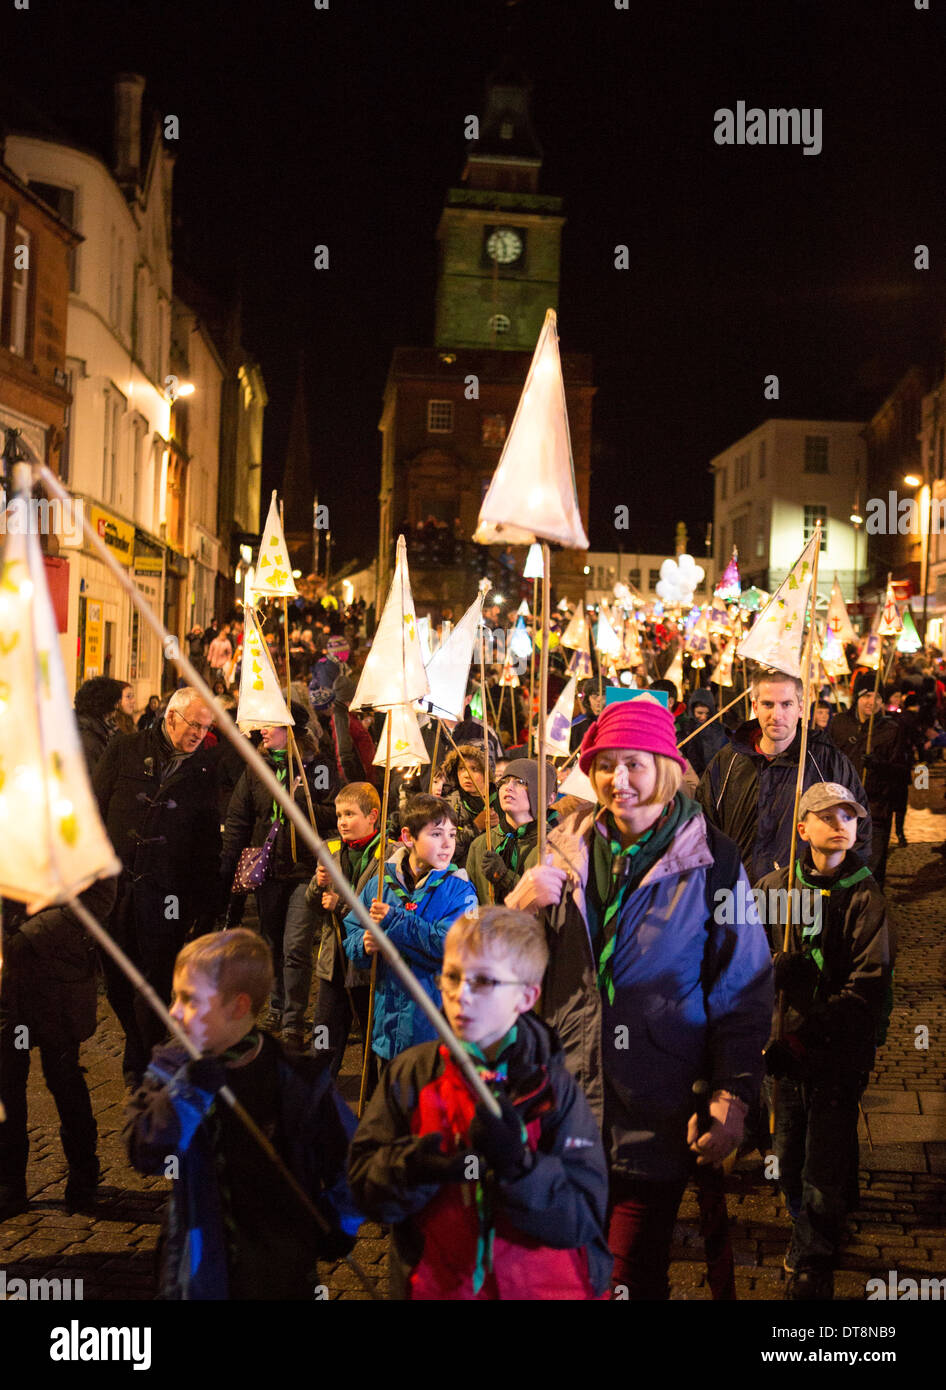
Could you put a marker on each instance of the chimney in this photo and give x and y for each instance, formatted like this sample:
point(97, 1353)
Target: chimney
point(129, 89)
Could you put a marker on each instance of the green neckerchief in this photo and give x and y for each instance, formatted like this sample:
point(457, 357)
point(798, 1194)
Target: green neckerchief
point(280, 758)
point(617, 869)
point(414, 895)
point(491, 1072)
point(512, 843)
point(469, 800)
point(354, 868)
point(813, 929)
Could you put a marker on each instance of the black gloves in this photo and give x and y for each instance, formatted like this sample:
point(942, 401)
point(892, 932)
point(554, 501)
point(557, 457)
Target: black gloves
point(207, 1073)
point(795, 973)
point(500, 1139)
point(496, 872)
point(786, 1058)
point(427, 1163)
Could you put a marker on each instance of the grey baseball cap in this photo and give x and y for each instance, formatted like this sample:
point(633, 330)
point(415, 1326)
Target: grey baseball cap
point(824, 794)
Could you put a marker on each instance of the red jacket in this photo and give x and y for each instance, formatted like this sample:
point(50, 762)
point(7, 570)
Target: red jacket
point(546, 1226)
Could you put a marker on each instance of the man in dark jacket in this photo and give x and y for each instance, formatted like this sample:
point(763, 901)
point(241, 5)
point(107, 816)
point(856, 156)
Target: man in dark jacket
point(748, 790)
point(884, 769)
point(157, 796)
point(48, 1001)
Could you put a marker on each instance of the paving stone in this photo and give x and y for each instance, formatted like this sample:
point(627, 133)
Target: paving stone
point(908, 1129)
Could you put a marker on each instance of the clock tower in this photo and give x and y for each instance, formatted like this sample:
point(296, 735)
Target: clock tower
point(499, 237)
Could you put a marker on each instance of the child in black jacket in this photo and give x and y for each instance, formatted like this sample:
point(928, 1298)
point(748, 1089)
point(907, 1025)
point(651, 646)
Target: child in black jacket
point(836, 981)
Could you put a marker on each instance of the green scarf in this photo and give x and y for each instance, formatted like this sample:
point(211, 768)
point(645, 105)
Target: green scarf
point(490, 1073)
point(512, 843)
point(281, 759)
point(617, 869)
point(813, 929)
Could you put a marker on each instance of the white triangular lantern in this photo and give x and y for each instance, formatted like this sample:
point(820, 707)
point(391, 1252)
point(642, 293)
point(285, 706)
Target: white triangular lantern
point(723, 672)
point(249, 593)
point(533, 569)
point(606, 639)
point(394, 672)
point(891, 623)
point(52, 841)
point(674, 671)
point(837, 617)
point(523, 610)
point(832, 656)
point(577, 783)
point(558, 726)
point(532, 495)
point(423, 632)
point(273, 568)
point(575, 635)
point(448, 671)
point(407, 744)
point(776, 636)
point(870, 651)
point(262, 703)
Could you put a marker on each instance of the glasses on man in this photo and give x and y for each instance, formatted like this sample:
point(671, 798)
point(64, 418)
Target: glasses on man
point(202, 729)
point(451, 982)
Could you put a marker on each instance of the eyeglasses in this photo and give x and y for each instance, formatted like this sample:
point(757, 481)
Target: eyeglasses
point(202, 729)
point(452, 983)
point(513, 781)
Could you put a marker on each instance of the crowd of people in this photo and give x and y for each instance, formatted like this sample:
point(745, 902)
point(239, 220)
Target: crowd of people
point(616, 994)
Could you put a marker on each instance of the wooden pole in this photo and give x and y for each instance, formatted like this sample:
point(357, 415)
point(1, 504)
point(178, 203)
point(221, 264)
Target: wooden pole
point(486, 806)
point(433, 761)
point(512, 701)
point(366, 1064)
point(540, 810)
point(718, 715)
point(535, 590)
point(870, 725)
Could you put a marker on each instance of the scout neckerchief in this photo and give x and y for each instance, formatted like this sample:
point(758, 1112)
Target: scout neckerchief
point(473, 804)
point(813, 929)
point(355, 856)
point(513, 847)
point(281, 768)
point(409, 893)
point(617, 869)
point(493, 1073)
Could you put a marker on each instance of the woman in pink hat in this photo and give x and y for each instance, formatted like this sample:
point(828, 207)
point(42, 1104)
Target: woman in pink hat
point(659, 976)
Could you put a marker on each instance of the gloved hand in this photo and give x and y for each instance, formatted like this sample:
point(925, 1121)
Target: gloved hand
point(727, 1122)
point(795, 973)
point(496, 872)
point(208, 1073)
point(499, 1138)
point(786, 1058)
point(427, 1163)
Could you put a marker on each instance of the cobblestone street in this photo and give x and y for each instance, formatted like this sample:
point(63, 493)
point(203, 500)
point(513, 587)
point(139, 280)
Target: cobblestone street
point(900, 1226)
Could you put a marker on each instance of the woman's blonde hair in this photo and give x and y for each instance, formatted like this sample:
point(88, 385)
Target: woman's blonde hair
point(669, 777)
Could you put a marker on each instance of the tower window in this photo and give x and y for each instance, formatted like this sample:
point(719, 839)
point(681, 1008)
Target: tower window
point(506, 130)
point(440, 417)
point(500, 324)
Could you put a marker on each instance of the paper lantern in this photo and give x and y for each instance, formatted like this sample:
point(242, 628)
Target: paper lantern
point(448, 670)
point(407, 743)
point(558, 726)
point(776, 636)
point(262, 703)
point(533, 569)
point(837, 617)
point(393, 673)
point(532, 495)
point(52, 841)
point(273, 568)
point(891, 624)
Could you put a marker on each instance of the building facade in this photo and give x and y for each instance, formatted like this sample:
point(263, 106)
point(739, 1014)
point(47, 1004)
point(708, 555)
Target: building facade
point(603, 569)
point(447, 408)
point(772, 487)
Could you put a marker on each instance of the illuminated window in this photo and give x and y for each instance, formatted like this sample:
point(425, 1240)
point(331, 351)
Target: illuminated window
point(812, 516)
point(440, 417)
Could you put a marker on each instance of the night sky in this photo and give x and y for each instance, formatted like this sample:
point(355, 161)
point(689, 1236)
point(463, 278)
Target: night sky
point(345, 127)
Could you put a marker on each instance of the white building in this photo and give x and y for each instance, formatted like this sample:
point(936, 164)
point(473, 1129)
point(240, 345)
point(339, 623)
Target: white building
point(118, 342)
point(771, 488)
point(931, 530)
point(604, 569)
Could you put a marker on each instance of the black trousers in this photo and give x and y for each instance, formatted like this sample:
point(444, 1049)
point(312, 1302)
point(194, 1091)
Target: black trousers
point(333, 1013)
point(65, 1081)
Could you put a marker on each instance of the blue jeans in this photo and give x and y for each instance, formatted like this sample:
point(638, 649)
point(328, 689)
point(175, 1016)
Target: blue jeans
point(817, 1148)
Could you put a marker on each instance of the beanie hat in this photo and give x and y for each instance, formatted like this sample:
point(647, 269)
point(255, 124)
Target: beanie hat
point(642, 723)
point(863, 685)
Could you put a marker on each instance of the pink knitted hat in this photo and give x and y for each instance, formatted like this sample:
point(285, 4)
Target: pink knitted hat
point(642, 723)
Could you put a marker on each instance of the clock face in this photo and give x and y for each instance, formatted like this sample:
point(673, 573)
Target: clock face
point(504, 245)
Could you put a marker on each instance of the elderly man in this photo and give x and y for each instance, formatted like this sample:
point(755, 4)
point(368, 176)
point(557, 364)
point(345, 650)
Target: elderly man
point(157, 793)
point(748, 789)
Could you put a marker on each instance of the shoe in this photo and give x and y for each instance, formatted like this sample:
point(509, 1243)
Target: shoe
point(81, 1198)
point(132, 1079)
point(902, 841)
point(13, 1200)
point(810, 1285)
point(293, 1040)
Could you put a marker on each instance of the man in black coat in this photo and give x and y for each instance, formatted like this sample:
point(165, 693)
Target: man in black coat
point(748, 789)
point(157, 794)
point(883, 770)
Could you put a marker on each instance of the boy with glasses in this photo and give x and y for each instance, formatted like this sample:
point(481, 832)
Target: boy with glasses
point(483, 1207)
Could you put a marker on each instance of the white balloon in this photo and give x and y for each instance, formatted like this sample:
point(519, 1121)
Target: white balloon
point(668, 570)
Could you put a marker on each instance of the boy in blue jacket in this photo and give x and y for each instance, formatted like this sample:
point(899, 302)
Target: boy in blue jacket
point(423, 894)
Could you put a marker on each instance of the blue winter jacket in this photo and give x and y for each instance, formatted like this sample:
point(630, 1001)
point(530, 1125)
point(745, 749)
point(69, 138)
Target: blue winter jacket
point(419, 934)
